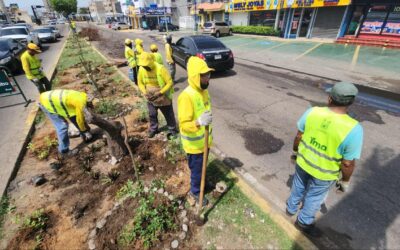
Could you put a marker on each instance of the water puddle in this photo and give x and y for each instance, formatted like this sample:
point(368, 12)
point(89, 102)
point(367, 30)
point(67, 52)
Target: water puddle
point(259, 142)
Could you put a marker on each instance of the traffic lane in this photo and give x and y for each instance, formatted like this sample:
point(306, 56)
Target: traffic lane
point(256, 110)
point(13, 119)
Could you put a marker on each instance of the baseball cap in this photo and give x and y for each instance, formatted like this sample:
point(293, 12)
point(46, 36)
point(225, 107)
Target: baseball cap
point(343, 92)
point(34, 47)
point(128, 41)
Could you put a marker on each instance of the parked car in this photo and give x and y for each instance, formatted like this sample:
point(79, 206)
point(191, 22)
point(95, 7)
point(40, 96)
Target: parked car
point(27, 25)
point(20, 33)
point(217, 28)
point(54, 30)
point(45, 34)
point(120, 26)
point(171, 27)
point(10, 54)
point(208, 48)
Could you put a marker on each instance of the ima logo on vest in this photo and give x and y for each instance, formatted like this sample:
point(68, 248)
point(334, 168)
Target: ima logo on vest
point(318, 145)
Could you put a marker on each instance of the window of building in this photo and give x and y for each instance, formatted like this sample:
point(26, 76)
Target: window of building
point(374, 20)
point(392, 26)
point(263, 18)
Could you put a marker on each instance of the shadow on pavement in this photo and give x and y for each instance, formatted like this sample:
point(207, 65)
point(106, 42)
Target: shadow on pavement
point(356, 217)
point(222, 74)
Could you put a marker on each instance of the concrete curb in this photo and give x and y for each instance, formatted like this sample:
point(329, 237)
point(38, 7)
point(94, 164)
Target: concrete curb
point(29, 127)
point(266, 206)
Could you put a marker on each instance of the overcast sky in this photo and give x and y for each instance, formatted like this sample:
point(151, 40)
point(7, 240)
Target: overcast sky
point(26, 4)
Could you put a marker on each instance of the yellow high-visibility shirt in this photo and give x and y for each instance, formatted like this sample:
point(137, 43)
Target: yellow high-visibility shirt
point(168, 53)
point(31, 66)
point(149, 78)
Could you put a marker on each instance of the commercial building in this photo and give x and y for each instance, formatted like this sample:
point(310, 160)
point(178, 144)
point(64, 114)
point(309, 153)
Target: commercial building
point(106, 11)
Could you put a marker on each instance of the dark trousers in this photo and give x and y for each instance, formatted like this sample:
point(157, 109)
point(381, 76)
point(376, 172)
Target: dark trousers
point(167, 111)
point(195, 162)
point(133, 75)
point(43, 85)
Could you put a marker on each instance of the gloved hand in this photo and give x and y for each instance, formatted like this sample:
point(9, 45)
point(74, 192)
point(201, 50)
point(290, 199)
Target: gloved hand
point(87, 136)
point(205, 119)
point(342, 186)
point(35, 80)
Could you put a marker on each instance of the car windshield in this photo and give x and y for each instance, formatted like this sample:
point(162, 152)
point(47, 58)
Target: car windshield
point(208, 25)
point(209, 44)
point(42, 31)
point(4, 45)
point(8, 32)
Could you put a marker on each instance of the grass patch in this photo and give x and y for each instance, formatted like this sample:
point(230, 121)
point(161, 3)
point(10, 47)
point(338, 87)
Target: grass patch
point(42, 152)
point(108, 107)
point(234, 216)
point(174, 151)
point(141, 106)
point(5, 208)
point(40, 117)
point(70, 55)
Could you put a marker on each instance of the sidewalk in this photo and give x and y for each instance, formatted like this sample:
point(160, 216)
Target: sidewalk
point(16, 121)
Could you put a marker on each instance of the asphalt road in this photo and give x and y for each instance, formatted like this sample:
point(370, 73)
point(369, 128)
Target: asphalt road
point(255, 110)
point(14, 117)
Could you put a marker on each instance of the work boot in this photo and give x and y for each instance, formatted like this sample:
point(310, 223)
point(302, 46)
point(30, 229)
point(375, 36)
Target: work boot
point(197, 197)
point(309, 230)
point(69, 153)
point(171, 135)
point(152, 134)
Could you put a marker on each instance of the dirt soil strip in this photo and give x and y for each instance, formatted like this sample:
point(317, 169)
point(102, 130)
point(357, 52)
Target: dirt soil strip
point(29, 124)
point(249, 191)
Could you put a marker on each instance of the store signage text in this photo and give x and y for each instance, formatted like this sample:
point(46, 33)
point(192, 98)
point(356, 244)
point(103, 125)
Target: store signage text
point(305, 3)
point(249, 5)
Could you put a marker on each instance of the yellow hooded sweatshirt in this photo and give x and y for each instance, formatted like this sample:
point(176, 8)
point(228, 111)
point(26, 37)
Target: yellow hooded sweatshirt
point(186, 112)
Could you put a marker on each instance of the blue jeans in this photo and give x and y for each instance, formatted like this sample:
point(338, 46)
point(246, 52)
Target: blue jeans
point(311, 191)
point(195, 162)
point(61, 126)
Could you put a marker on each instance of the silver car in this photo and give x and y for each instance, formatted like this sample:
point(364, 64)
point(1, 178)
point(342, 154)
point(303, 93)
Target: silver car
point(217, 29)
point(20, 33)
point(55, 30)
point(45, 34)
point(120, 26)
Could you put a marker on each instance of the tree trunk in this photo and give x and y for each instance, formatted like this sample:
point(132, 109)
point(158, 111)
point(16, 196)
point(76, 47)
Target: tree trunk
point(115, 140)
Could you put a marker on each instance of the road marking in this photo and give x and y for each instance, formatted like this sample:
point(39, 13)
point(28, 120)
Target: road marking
point(355, 58)
point(307, 52)
point(244, 44)
point(275, 46)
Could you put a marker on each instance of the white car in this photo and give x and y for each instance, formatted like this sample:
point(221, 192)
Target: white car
point(120, 26)
point(45, 34)
point(20, 33)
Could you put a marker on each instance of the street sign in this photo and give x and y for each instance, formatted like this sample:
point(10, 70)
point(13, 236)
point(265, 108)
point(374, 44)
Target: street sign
point(5, 85)
point(10, 87)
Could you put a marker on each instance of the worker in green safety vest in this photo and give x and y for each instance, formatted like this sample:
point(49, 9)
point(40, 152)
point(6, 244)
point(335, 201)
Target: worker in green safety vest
point(32, 67)
point(131, 58)
point(155, 83)
point(61, 106)
point(327, 144)
point(157, 56)
point(194, 114)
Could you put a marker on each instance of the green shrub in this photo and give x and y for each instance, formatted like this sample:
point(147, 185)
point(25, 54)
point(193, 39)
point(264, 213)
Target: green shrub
point(255, 30)
point(108, 107)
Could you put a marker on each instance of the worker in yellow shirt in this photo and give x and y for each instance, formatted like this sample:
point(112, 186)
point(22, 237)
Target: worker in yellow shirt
point(169, 58)
point(60, 105)
point(130, 57)
point(157, 56)
point(156, 85)
point(194, 114)
point(73, 26)
point(32, 67)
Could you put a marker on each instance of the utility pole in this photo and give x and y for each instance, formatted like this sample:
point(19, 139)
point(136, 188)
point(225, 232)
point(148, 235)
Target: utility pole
point(165, 16)
point(195, 16)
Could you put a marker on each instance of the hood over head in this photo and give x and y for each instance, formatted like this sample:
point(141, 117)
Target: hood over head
point(139, 41)
point(195, 67)
point(146, 59)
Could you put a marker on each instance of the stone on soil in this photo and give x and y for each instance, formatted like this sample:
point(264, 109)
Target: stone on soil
point(185, 227)
point(182, 235)
point(175, 244)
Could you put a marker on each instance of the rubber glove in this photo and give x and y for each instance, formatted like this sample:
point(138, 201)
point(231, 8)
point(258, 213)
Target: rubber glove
point(205, 119)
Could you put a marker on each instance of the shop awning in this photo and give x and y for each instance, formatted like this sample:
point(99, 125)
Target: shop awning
point(210, 7)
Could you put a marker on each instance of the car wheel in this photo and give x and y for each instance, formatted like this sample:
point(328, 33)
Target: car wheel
point(230, 32)
point(217, 34)
point(119, 28)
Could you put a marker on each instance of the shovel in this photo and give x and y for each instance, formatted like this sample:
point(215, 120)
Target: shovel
point(200, 217)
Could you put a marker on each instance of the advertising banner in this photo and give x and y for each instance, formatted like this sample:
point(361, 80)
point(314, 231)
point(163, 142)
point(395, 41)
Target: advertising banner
point(255, 5)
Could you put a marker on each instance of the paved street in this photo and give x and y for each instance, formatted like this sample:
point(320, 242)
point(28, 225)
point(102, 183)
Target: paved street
point(13, 120)
point(256, 108)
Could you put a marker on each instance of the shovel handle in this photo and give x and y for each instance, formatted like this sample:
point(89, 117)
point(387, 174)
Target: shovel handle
point(204, 167)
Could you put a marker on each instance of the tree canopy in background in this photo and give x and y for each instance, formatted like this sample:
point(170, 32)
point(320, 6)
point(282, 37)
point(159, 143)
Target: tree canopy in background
point(65, 7)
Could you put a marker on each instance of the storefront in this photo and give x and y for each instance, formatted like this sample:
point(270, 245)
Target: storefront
point(374, 18)
point(152, 17)
point(206, 12)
